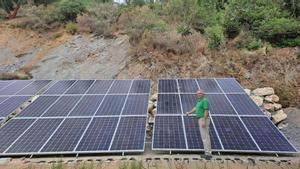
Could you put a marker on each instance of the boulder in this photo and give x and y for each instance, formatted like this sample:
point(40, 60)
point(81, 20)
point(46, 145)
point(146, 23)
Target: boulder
point(155, 104)
point(279, 116)
point(248, 91)
point(257, 100)
point(150, 106)
point(263, 91)
point(153, 97)
point(282, 125)
point(268, 106)
point(153, 112)
point(277, 106)
point(151, 120)
point(272, 98)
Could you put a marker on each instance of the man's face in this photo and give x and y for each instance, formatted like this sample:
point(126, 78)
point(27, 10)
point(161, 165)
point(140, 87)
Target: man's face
point(200, 94)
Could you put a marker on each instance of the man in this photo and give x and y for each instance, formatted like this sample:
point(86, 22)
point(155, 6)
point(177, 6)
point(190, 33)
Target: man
point(201, 110)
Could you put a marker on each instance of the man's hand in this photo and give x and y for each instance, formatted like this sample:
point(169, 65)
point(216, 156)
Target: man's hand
point(188, 113)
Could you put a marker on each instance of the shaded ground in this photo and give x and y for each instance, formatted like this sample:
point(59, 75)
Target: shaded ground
point(292, 131)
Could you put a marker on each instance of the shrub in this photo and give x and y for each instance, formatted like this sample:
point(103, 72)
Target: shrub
point(69, 9)
point(138, 2)
point(181, 10)
point(282, 30)
point(184, 30)
point(215, 36)
point(71, 28)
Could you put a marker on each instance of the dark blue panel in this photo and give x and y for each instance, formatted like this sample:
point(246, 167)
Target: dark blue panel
point(99, 134)
point(215, 143)
point(87, 105)
point(244, 105)
point(168, 133)
point(67, 135)
point(11, 104)
point(35, 137)
point(209, 86)
point(112, 105)
point(5, 83)
point(167, 86)
point(168, 104)
point(140, 86)
point(34, 87)
point(187, 85)
point(100, 87)
point(37, 108)
point(188, 101)
point(63, 106)
point(120, 86)
point(130, 134)
point(233, 134)
point(193, 133)
point(60, 87)
point(80, 87)
point(11, 131)
point(267, 135)
point(230, 85)
point(15, 87)
point(2, 99)
point(136, 104)
point(218, 104)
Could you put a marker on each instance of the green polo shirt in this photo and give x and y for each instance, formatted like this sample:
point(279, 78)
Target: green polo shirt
point(201, 106)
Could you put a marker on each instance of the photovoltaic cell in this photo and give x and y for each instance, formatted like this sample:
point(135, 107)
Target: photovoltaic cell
point(11, 131)
point(244, 105)
point(100, 87)
point(230, 85)
point(168, 133)
point(167, 86)
point(99, 134)
point(168, 104)
point(112, 105)
point(35, 137)
point(80, 87)
point(187, 85)
point(15, 87)
point(4, 83)
point(140, 86)
point(34, 87)
point(193, 133)
point(2, 99)
point(11, 104)
point(60, 87)
point(38, 107)
point(87, 105)
point(267, 135)
point(215, 143)
point(136, 105)
point(233, 134)
point(120, 86)
point(67, 135)
point(62, 106)
point(218, 104)
point(209, 86)
point(130, 134)
point(188, 101)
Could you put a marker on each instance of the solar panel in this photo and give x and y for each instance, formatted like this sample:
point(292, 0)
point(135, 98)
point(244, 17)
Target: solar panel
point(35, 137)
point(244, 105)
point(98, 135)
point(168, 133)
point(209, 85)
point(62, 106)
point(188, 101)
point(214, 139)
point(11, 131)
point(66, 137)
point(136, 104)
point(15, 87)
point(187, 85)
point(140, 86)
point(11, 104)
point(167, 86)
point(100, 87)
point(230, 85)
point(218, 104)
point(34, 87)
point(267, 135)
point(87, 105)
point(168, 104)
point(2, 99)
point(130, 134)
point(5, 83)
point(193, 136)
point(120, 86)
point(112, 105)
point(60, 87)
point(80, 87)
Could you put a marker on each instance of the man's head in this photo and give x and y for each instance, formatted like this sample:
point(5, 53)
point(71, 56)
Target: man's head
point(200, 93)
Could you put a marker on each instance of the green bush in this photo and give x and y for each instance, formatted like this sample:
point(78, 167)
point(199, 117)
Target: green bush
point(184, 30)
point(69, 9)
point(181, 10)
point(71, 28)
point(215, 36)
point(280, 30)
point(138, 2)
point(290, 42)
point(254, 44)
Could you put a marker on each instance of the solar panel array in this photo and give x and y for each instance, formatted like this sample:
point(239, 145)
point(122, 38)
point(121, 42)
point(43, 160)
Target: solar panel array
point(14, 93)
point(81, 116)
point(237, 123)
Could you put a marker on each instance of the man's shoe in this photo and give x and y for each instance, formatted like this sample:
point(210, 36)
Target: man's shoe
point(206, 157)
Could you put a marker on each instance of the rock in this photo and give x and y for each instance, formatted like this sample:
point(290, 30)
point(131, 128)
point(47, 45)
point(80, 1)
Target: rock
point(272, 98)
point(4, 161)
point(153, 97)
point(268, 114)
point(150, 106)
point(248, 91)
point(257, 100)
point(277, 106)
point(269, 106)
point(155, 104)
point(263, 91)
point(151, 120)
point(279, 116)
point(282, 126)
point(153, 112)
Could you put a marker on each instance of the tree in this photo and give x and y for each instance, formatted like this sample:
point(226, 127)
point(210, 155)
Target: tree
point(11, 7)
